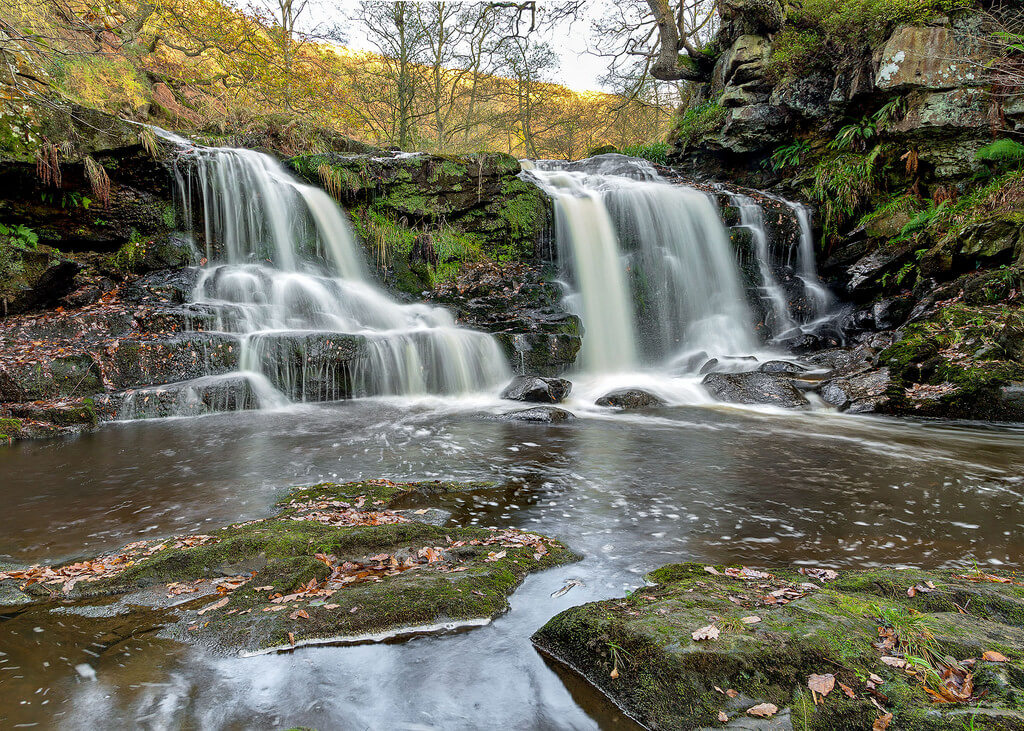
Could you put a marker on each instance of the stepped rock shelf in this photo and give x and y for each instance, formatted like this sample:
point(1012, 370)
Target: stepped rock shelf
point(336, 563)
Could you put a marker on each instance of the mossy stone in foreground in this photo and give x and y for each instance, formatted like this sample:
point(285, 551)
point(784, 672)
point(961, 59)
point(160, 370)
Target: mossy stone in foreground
point(339, 564)
point(640, 651)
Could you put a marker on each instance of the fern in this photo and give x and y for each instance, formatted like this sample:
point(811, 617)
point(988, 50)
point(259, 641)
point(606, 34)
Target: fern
point(99, 181)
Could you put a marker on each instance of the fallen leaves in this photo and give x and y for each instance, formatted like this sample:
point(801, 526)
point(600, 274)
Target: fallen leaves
point(882, 722)
point(821, 575)
point(710, 632)
point(993, 656)
point(821, 685)
point(215, 605)
point(565, 589)
point(763, 710)
point(753, 619)
point(723, 717)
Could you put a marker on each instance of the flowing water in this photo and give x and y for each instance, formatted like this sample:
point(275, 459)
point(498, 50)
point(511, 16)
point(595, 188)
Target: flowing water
point(652, 272)
point(628, 492)
point(287, 274)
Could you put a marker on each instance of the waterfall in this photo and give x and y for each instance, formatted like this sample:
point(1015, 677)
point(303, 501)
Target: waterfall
point(821, 299)
point(752, 218)
point(654, 276)
point(286, 275)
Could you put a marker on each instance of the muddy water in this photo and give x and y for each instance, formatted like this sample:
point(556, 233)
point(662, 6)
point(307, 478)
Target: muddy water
point(629, 492)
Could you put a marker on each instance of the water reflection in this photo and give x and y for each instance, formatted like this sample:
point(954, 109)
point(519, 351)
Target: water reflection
point(629, 492)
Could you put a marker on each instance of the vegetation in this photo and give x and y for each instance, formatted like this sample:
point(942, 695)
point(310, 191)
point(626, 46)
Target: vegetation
point(442, 77)
point(818, 32)
point(698, 122)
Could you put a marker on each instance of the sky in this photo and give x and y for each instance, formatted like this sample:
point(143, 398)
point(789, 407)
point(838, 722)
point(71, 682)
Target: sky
point(580, 68)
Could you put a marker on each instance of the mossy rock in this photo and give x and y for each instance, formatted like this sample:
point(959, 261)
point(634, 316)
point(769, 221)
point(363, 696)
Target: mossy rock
point(640, 651)
point(430, 577)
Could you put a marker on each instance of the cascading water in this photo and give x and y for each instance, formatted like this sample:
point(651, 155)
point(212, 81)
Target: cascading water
point(752, 218)
point(655, 277)
point(821, 299)
point(287, 277)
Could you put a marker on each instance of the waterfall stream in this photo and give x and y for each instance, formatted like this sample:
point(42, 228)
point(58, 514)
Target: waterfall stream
point(287, 277)
point(653, 274)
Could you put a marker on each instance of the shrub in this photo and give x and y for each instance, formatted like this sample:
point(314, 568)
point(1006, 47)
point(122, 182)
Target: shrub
point(656, 152)
point(698, 122)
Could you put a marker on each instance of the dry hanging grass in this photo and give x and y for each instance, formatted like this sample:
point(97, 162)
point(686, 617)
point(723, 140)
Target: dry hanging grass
point(148, 141)
point(48, 164)
point(98, 180)
point(330, 179)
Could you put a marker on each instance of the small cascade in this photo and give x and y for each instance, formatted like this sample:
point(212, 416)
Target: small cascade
point(653, 274)
point(821, 299)
point(287, 279)
point(752, 218)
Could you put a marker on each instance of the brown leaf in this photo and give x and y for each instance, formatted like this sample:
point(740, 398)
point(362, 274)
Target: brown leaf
point(753, 619)
point(215, 605)
point(614, 673)
point(847, 690)
point(822, 684)
point(298, 613)
point(732, 693)
point(895, 662)
point(291, 638)
point(710, 632)
point(993, 656)
point(881, 723)
point(763, 710)
point(722, 717)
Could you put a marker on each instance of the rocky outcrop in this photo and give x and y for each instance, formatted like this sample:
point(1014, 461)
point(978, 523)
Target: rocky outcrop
point(540, 415)
point(424, 216)
point(334, 563)
point(522, 306)
point(803, 648)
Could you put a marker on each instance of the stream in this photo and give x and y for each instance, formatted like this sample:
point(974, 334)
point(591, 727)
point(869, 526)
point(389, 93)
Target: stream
point(630, 492)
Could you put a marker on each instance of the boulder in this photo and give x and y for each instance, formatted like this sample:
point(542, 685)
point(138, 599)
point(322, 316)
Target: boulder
point(928, 57)
point(703, 646)
point(754, 388)
point(540, 414)
point(537, 390)
point(859, 393)
point(630, 398)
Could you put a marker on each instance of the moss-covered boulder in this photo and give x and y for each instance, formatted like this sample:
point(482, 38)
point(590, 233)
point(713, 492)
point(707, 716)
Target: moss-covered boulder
point(335, 563)
point(707, 646)
point(963, 362)
point(424, 216)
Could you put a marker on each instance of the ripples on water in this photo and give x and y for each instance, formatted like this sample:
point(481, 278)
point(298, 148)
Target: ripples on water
point(630, 492)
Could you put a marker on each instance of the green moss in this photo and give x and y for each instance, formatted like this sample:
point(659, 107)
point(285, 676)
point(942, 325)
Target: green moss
point(10, 428)
point(697, 123)
point(667, 680)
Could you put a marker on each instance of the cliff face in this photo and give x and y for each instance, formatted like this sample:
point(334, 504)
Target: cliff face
point(901, 129)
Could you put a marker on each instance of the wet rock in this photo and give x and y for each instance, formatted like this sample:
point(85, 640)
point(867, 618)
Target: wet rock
point(537, 390)
point(783, 367)
point(335, 563)
point(754, 388)
point(775, 629)
point(631, 398)
point(540, 414)
point(165, 286)
point(860, 393)
point(709, 367)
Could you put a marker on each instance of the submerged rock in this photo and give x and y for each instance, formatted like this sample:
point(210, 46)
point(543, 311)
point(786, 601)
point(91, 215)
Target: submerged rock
point(537, 390)
point(754, 388)
point(859, 393)
point(705, 641)
point(543, 414)
point(631, 398)
point(335, 563)
point(781, 366)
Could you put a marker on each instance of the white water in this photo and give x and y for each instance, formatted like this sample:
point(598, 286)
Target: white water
point(821, 299)
point(287, 276)
point(654, 273)
point(752, 217)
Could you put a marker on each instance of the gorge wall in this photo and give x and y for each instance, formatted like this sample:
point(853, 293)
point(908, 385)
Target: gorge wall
point(900, 124)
